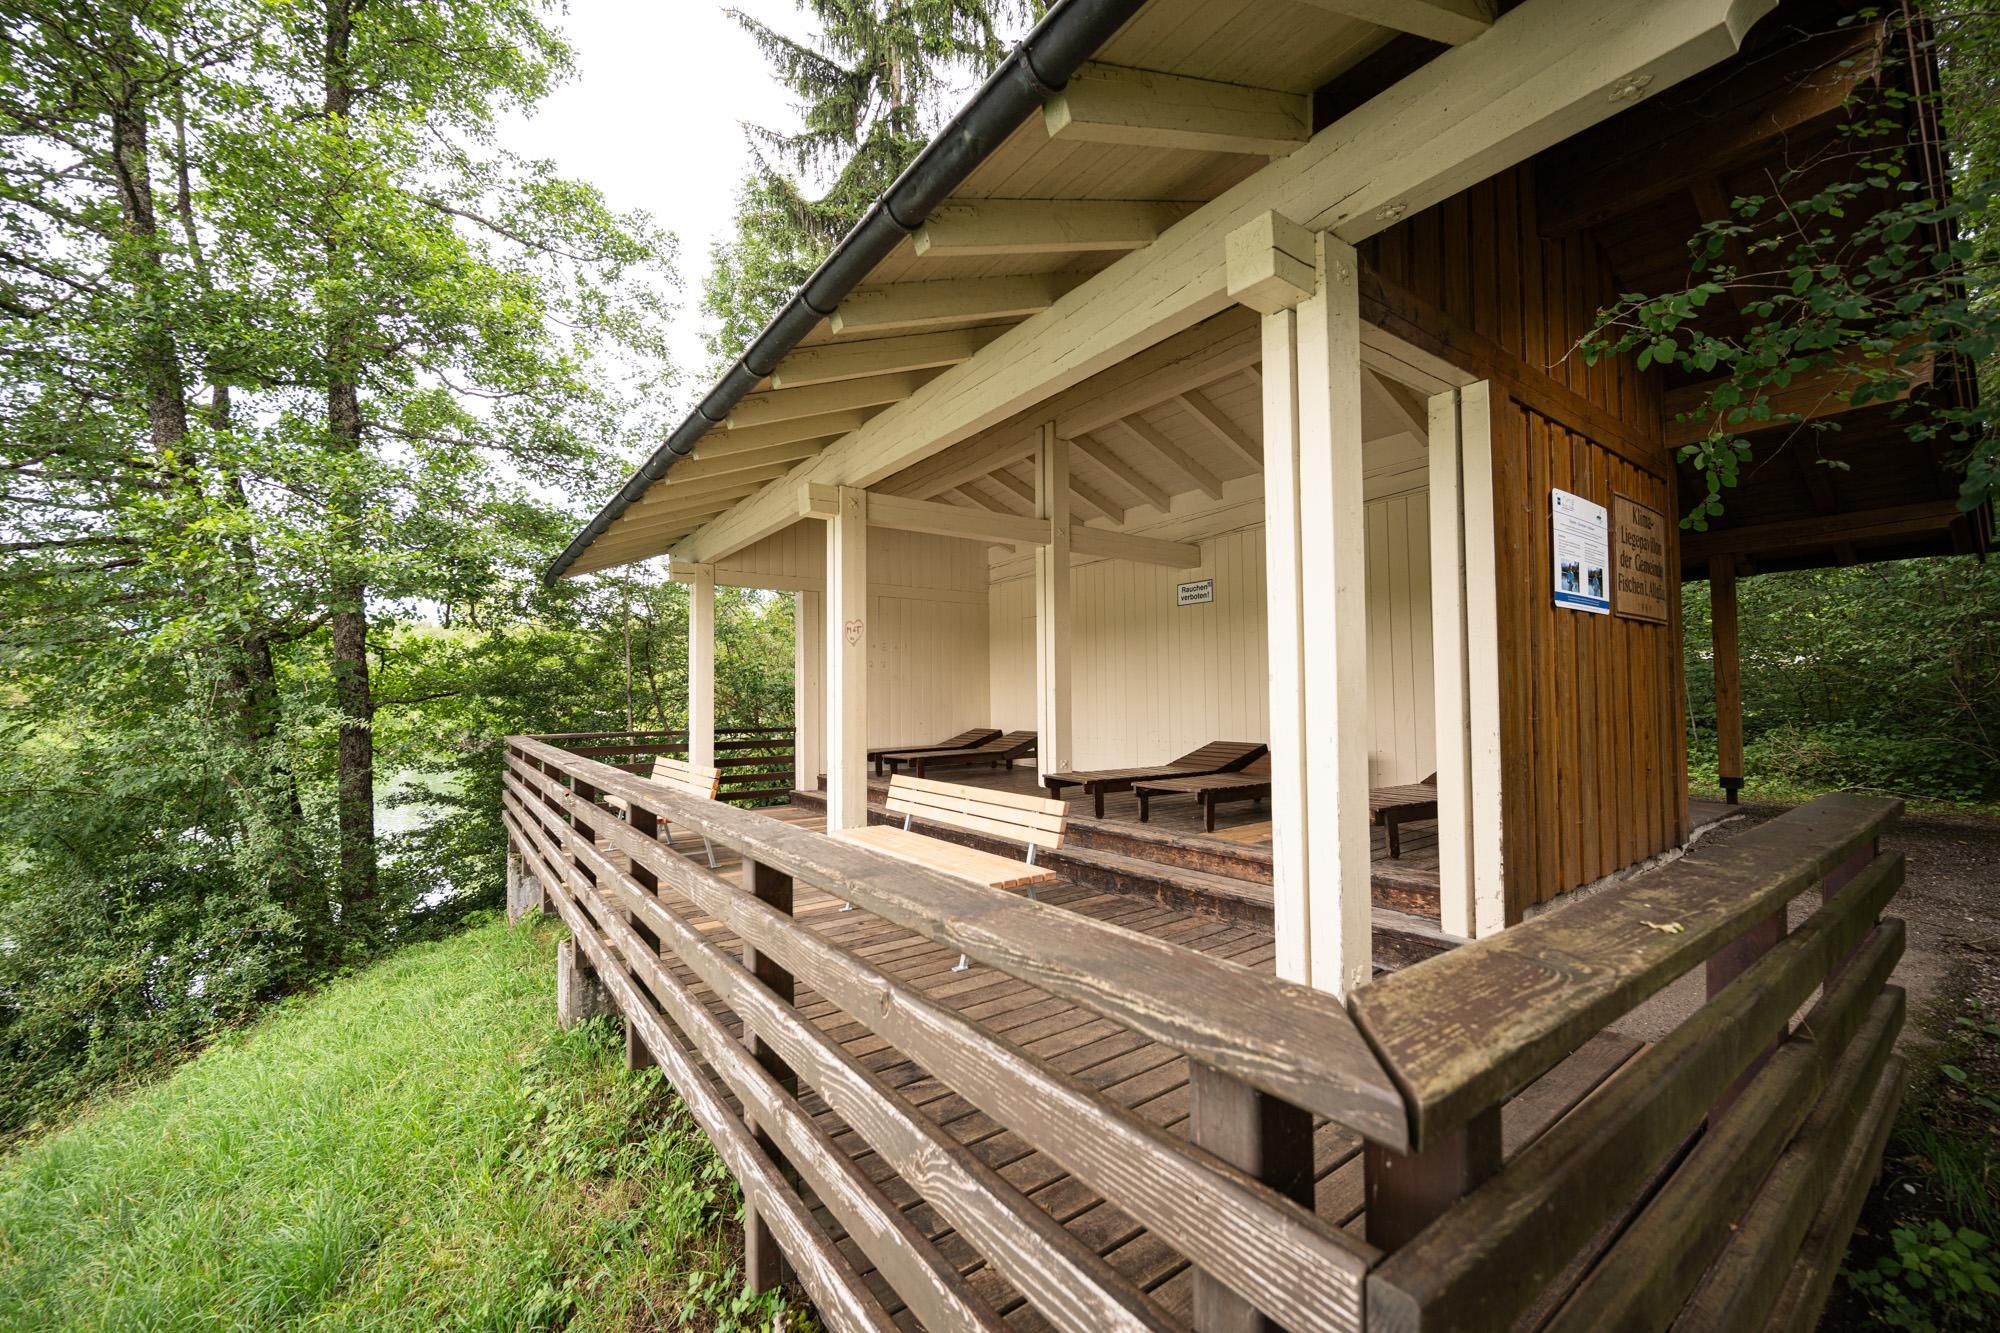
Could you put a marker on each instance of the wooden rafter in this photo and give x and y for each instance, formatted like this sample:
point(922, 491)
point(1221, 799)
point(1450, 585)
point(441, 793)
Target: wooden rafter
point(1221, 429)
point(1111, 104)
point(775, 405)
point(913, 305)
point(1093, 503)
point(1448, 21)
point(1153, 438)
point(826, 363)
point(1043, 226)
point(1141, 485)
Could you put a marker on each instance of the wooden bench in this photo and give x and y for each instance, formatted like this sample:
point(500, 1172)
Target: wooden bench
point(688, 779)
point(1034, 820)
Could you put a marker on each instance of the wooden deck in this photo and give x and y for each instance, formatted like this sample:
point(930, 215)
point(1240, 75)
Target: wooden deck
point(1149, 1079)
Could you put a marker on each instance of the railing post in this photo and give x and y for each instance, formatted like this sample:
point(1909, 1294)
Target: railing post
point(1408, 1191)
point(1259, 1134)
point(763, 1263)
point(647, 824)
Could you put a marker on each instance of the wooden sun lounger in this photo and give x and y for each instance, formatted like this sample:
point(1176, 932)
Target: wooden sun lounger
point(1392, 807)
point(965, 740)
point(1215, 757)
point(1252, 783)
point(1002, 752)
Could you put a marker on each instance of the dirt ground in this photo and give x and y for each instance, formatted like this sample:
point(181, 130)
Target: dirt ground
point(1947, 903)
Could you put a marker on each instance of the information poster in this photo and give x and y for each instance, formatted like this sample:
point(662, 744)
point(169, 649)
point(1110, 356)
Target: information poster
point(1583, 552)
point(1639, 583)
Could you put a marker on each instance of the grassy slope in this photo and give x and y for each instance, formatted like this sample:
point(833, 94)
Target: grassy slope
point(417, 1147)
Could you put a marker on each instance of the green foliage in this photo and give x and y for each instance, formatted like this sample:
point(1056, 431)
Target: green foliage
point(1937, 1279)
point(1884, 676)
point(874, 81)
point(1849, 263)
point(416, 1147)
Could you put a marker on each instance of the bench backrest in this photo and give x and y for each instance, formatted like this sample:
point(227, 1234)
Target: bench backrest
point(685, 777)
point(1036, 820)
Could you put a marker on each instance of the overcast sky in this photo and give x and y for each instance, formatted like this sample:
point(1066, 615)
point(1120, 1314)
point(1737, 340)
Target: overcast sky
point(654, 118)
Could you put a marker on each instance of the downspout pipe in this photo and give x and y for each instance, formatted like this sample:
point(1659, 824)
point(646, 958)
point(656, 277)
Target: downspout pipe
point(1040, 67)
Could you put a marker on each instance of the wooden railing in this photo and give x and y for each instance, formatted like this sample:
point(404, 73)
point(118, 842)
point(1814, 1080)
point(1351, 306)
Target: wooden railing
point(1716, 1160)
point(758, 764)
point(1714, 1182)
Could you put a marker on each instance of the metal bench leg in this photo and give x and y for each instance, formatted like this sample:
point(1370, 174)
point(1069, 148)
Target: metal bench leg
point(963, 964)
point(709, 847)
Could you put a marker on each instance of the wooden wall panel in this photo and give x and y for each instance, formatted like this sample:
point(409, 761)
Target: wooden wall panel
point(1591, 732)
point(1152, 679)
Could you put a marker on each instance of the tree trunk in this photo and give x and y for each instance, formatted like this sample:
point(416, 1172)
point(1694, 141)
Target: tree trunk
point(354, 701)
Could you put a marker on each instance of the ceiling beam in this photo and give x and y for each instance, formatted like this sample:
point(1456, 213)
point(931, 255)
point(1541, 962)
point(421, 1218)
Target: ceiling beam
point(1149, 491)
point(1011, 486)
point(971, 460)
point(1043, 226)
point(827, 425)
point(1825, 393)
point(825, 363)
point(1224, 431)
point(1229, 344)
point(1822, 530)
point(1111, 104)
point(775, 405)
point(939, 520)
point(677, 492)
point(1531, 81)
point(978, 497)
point(1447, 21)
point(913, 305)
point(1093, 503)
point(707, 461)
point(1107, 545)
point(1153, 438)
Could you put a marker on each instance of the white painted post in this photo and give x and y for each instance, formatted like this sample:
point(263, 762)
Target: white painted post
point(1450, 684)
point(1052, 606)
point(1285, 618)
point(701, 666)
point(1333, 581)
point(847, 661)
point(809, 687)
point(1482, 654)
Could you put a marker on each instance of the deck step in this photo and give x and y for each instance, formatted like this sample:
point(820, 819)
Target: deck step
point(1401, 937)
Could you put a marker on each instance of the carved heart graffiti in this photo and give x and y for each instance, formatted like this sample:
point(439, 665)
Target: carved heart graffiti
point(853, 633)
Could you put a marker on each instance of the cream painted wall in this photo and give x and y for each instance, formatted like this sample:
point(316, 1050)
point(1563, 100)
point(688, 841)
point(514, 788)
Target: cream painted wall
point(1153, 680)
point(927, 647)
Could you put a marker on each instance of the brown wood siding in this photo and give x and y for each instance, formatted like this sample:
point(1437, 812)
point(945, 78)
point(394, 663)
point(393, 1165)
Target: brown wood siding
point(1591, 735)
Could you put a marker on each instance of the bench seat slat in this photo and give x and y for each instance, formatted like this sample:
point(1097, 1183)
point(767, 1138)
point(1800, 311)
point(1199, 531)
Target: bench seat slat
point(947, 858)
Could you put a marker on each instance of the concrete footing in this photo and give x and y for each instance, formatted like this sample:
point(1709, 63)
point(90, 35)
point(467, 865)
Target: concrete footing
point(579, 994)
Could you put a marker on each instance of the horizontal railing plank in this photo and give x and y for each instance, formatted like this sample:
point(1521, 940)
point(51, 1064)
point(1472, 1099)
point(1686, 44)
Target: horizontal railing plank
point(1483, 1262)
point(1461, 1031)
point(1067, 1281)
point(1290, 1041)
point(931, 1287)
point(1662, 1255)
point(1247, 1235)
point(841, 1299)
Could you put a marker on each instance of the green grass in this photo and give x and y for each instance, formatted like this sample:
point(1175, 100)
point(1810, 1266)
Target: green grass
point(417, 1147)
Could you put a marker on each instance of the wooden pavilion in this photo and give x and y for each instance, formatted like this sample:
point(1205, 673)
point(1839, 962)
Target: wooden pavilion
point(1211, 377)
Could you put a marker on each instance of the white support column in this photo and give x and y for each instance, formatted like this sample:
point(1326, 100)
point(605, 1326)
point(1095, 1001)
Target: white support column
point(1450, 669)
point(1333, 581)
point(1285, 618)
point(1052, 606)
point(1482, 653)
point(847, 661)
point(701, 665)
point(809, 686)
point(1464, 631)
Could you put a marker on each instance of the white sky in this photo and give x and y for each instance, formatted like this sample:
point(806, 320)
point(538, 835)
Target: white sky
point(653, 117)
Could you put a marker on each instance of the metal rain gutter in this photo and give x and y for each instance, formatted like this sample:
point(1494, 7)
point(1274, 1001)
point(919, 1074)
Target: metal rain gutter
point(1036, 70)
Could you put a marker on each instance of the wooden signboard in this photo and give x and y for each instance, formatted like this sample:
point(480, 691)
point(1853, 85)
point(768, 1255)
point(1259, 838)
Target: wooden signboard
point(1639, 561)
